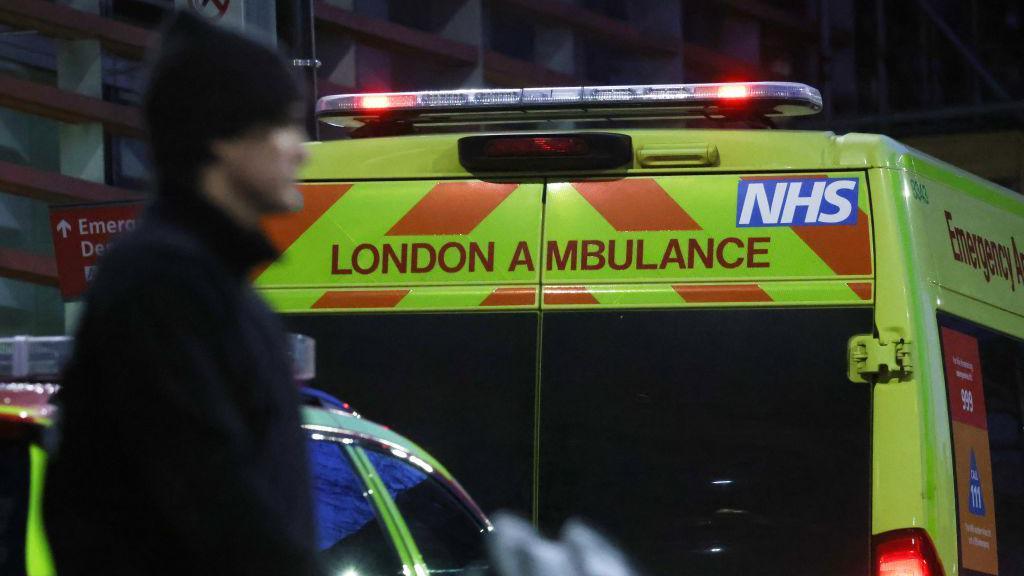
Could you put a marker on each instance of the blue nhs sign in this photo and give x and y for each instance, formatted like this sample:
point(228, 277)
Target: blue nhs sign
point(797, 202)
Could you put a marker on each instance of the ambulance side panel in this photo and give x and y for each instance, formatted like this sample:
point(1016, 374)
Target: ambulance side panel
point(969, 235)
point(911, 470)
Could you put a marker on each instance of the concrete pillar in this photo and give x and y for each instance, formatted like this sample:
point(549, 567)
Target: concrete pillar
point(463, 21)
point(662, 20)
point(27, 308)
point(844, 64)
point(555, 48)
point(82, 151)
point(79, 69)
point(360, 67)
point(741, 38)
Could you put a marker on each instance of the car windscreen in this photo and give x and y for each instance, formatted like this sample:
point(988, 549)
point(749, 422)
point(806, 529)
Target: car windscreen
point(459, 385)
point(710, 442)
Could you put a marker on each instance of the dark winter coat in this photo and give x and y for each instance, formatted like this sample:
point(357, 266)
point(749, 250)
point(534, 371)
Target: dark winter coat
point(179, 448)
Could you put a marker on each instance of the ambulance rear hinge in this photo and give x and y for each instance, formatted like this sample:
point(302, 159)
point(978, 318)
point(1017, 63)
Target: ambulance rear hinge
point(871, 360)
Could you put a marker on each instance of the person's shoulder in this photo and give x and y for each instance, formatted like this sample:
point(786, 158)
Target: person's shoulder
point(155, 256)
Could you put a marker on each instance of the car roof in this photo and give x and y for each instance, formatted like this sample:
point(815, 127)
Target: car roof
point(351, 424)
point(27, 402)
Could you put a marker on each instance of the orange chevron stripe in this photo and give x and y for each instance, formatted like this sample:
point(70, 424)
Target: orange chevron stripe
point(354, 299)
point(707, 293)
point(845, 249)
point(862, 289)
point(517, 296)
point(285, 229)
point(636, 205)
point(452, 208)
point(563, 295)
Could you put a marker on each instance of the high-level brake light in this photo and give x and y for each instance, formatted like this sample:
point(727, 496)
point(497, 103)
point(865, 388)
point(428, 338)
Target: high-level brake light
point(536, 146)
point(544, 152)
point(761, 99)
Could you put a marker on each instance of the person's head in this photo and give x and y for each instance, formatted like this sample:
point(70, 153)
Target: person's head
point(224, 118)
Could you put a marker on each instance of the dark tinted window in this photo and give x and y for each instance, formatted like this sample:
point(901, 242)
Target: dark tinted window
point(710, 441)
point(448, 537)
point(1002, 376)
point(14, 493)
point(348, 534)
point(460, 385)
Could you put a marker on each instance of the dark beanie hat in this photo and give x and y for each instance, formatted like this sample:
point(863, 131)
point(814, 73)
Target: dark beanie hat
point(208, 83)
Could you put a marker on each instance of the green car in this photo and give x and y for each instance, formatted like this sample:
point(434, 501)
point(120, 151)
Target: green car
point(384, 506)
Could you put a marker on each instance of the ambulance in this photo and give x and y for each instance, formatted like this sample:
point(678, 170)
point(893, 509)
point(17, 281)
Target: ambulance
point(736, 349)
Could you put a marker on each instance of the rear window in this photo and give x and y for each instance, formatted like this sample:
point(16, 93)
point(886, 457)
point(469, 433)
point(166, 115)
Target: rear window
point(460, 385)
point(710, 441)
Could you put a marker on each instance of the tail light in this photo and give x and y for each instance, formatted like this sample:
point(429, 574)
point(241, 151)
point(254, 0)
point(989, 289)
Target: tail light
point(908, 552)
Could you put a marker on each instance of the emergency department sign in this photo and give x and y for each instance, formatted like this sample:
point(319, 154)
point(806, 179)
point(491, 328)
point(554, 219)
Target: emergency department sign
point(228, 12)
point(81, 235)
point(975, 498)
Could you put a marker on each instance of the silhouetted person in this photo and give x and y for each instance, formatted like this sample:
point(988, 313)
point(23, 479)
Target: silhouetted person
point(179, 447)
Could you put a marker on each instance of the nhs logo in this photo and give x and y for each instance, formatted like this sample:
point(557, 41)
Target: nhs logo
point(797, 202)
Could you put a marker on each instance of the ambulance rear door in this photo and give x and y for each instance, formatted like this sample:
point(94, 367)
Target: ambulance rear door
point(694, 399)
point(422, 296)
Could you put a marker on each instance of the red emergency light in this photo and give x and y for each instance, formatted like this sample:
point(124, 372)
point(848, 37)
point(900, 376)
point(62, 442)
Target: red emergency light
point(385, 101)
point(733, 91)
point(583, 103)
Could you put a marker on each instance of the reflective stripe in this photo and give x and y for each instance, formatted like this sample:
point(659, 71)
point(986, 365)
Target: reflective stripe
point(697, 295)
point(284, 230)
point(722, 293)
point(360, 299)
point(846, 249)
point(518, 296)
point(452, 208)
point(862, 289)
point(568, 295)
point(635, 205)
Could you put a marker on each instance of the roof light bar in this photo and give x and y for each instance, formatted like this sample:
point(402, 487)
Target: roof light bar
point(655, 100)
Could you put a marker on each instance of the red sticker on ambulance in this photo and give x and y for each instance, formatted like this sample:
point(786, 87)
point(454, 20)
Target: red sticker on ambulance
point(973, 463)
